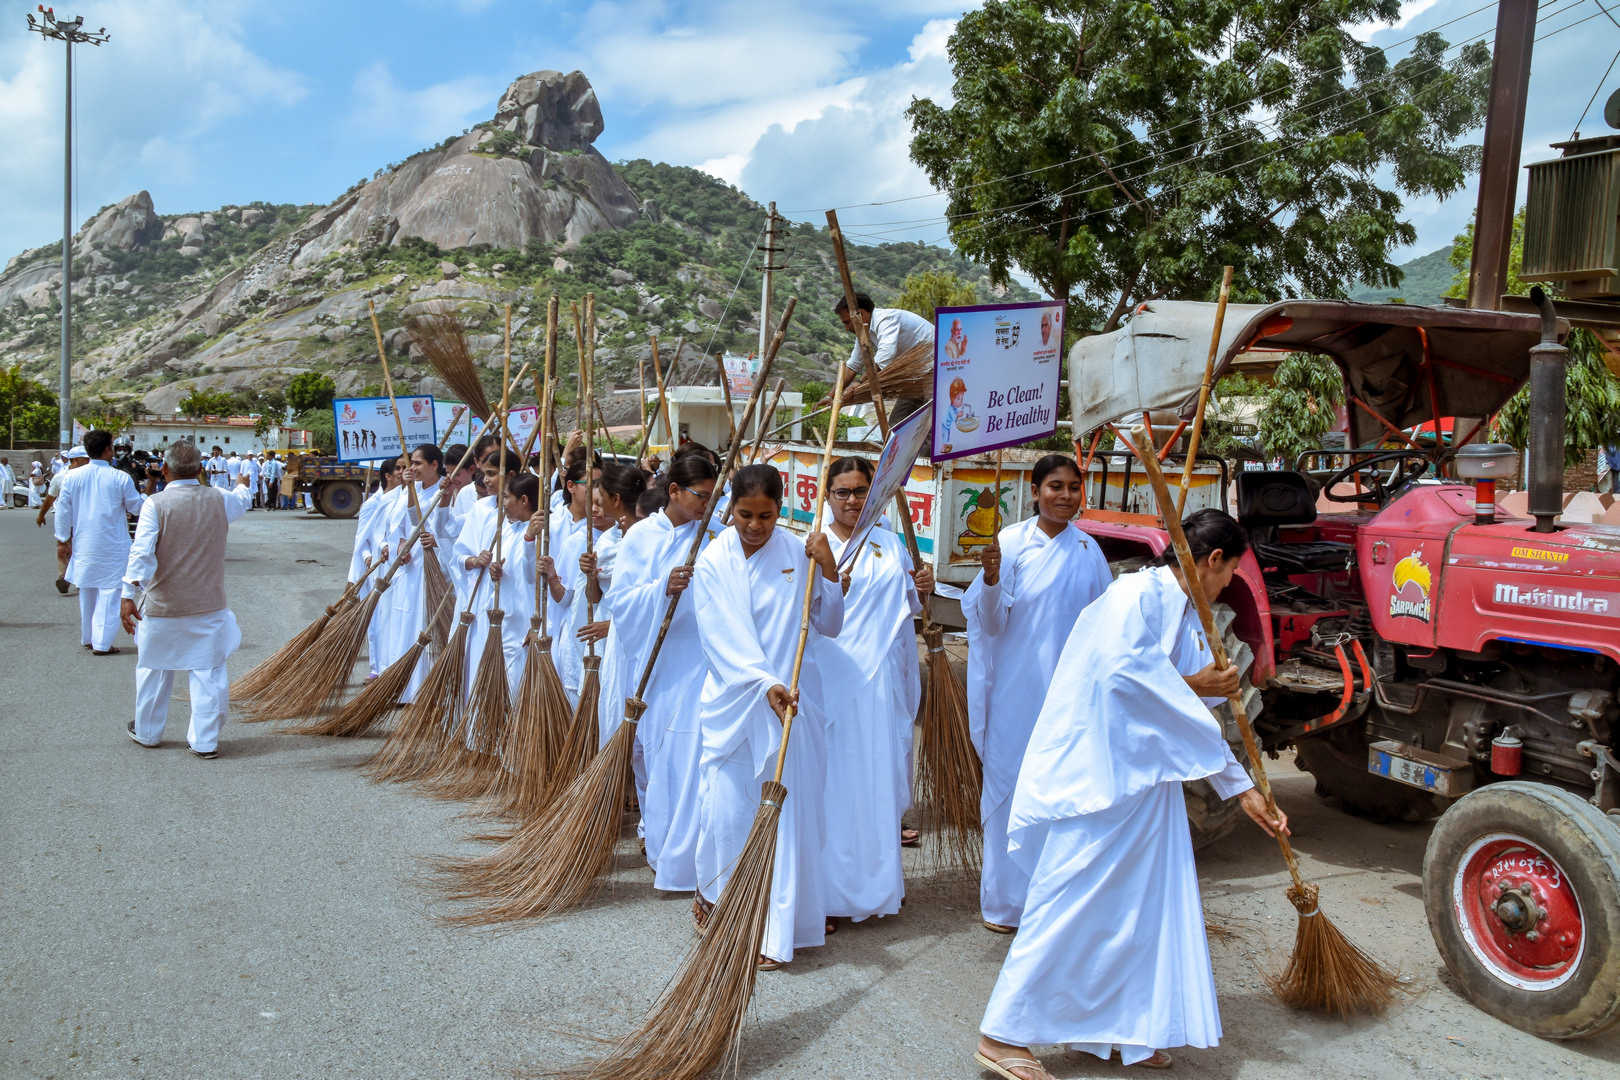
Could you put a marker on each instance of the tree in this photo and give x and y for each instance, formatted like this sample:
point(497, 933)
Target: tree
point(310, 390)
point(27, 406)
point(1121, 152)
point(201, 402)
point(1591, 388)
point(927, 290)
point(318, 422)
point(1300, 405)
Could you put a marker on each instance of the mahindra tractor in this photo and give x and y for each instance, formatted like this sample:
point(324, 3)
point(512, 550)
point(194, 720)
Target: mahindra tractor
point(1423, 651)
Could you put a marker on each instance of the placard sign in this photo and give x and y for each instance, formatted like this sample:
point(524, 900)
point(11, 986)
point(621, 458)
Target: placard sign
point(445, 415)
point(906, 440)
point(996, 370)
point(740, 373)
point(521, 421)
point(366, 431)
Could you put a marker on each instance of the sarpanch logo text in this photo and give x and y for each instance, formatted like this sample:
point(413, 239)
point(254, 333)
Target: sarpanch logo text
point(1555, 599)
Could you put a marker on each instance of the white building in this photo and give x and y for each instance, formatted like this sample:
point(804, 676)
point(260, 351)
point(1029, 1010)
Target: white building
point(698, 414)
point(229, 433)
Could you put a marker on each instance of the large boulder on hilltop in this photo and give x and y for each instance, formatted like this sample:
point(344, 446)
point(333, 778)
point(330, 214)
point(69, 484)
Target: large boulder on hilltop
point(123, 226)
point(548, 108)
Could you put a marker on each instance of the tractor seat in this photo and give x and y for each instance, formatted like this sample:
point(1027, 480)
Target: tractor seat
point(1272, 499)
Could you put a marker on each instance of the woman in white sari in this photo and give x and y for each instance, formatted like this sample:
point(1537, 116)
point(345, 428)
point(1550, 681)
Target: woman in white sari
point(405, 600)
point(1038, 575)
point(872, 683)
point(369, 546)
point(481, 566)
point(747, 590)
point(568, 598)
point(616, 503)
point(1099, 822)
point(668, 739)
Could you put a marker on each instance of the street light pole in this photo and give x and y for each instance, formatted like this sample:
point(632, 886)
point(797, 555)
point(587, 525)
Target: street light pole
point(69, 32)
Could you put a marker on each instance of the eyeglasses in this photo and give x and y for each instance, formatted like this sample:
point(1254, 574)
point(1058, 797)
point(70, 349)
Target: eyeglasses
point(698, 495)
point(846, 494)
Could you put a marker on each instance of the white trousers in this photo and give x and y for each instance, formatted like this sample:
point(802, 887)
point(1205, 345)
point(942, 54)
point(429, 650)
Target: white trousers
point(210, 699)
point(98, 616)
point(1003, 885)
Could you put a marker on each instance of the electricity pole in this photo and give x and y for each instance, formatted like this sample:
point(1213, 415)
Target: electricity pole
point(71, 32)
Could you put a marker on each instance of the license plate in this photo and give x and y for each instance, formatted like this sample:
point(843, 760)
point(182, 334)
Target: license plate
point(1386, 759)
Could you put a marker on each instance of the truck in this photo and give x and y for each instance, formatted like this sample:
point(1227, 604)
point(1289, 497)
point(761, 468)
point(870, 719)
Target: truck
point(335, 487)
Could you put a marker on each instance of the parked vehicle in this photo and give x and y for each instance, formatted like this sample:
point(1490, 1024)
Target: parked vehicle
point(335, 487)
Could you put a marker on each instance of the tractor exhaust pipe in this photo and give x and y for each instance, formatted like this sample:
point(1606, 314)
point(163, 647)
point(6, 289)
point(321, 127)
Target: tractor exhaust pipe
point(1547, 407)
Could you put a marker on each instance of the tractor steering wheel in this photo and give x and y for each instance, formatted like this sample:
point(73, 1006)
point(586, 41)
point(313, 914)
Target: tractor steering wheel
point(1377, 488)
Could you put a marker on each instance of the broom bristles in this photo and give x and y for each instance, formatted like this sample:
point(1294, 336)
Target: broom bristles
point(950, 776)
point(1327, 973)
point(372, 704)
point(316, 680)
point(468, 765)
point(264, 674)
point(541, 708)
point(423, 724)
point(438, 333)
point(582, 737)
point(696, 1023)
point(551, 864)
point(435, 590)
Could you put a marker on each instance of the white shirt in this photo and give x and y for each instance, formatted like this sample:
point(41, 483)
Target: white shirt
point(893, 331)
point(215, 466)
point(272, 470)
point(142, 563)
point(233, 467)
point(90, 511)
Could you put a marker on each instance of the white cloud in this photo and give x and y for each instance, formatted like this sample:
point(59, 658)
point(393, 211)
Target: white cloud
point(174, 73)
point(383, 108)
point(1410, 9)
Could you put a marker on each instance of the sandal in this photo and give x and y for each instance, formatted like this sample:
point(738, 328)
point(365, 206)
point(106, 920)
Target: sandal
point(910, 838)
point(997, 928)
point(1004, 1067)
point(700, 912)
point(765, 963)
point(1161, 1059)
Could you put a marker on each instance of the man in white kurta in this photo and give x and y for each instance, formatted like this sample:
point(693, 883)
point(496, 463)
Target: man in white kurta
point(92, 523)
point(892, 331)
point(252, 470)
point(8, 483)
point(174, 601)
point(1099, 823)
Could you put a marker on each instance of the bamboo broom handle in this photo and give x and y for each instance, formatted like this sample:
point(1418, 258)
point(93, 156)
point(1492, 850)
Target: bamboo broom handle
point(765, 421)
point(1195, 590)
point(1203, 392)
point(455, 418)
point(641, 406)
point(388, 384)
point(586, 347)
point(500, 479)
point(635, 702)
point(548, 420)
point(863, 334)
point(810, 579)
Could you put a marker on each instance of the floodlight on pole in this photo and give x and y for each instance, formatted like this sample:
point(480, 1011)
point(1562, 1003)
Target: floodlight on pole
point(71, 32)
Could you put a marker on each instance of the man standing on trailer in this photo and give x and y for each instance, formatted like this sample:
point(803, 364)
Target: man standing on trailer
point(92, 528)
point(893, 331)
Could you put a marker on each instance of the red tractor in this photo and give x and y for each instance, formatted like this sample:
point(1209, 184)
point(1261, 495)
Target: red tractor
point(1421, 650)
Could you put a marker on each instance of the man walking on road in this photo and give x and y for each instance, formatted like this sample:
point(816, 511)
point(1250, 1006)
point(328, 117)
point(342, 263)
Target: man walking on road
point(93, 530)
point(76, 458)
point(8, 483)
point(182, 624)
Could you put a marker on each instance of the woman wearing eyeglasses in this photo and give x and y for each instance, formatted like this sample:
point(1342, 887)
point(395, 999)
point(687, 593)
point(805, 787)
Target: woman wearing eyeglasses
point(870, 679)
point(651, 570)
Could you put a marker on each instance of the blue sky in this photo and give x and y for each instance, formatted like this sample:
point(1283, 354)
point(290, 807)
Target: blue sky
point(230, 101)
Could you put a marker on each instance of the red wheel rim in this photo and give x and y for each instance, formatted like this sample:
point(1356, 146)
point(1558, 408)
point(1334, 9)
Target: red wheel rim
point(1518, 912)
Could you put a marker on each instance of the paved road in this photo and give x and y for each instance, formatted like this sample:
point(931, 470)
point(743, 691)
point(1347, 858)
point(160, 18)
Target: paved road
point(261, 915)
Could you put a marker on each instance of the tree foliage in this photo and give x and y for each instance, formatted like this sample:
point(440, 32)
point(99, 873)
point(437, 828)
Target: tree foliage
point(1118, 152)
point(27, 406)
point(310, 390)
point(203, 402)
point(927, 290)
point(1300, 405)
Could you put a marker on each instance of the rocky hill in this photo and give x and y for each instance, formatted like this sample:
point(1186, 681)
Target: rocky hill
point(519, 207)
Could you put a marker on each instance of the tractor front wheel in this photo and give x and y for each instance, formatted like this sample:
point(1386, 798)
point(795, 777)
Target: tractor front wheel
point(1521, 883)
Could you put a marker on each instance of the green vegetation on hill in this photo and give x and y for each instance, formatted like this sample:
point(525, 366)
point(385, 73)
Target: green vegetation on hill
point(1424, 280)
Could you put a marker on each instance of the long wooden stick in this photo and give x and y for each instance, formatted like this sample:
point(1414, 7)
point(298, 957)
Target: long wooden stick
point(663, 400)
point(1203, 391)
point(542, 599)
point(812, 572)
point(725, 391)
point(587, 347)
point(1195, 590)
point(765, 421)
point(388, 384)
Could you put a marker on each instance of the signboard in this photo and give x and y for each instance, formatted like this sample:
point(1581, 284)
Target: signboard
point(521, 421)
point(444, 415)
point(740, 373)
point(996, 370)
point(889, 475)
point(365, 428)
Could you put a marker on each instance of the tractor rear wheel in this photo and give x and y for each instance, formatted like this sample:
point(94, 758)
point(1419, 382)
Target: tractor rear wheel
point(1337, 759)
point(1521, 883)
point(338, 498)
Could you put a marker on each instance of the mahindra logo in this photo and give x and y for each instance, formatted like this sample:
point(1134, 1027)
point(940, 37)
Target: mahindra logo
point(1578, 600)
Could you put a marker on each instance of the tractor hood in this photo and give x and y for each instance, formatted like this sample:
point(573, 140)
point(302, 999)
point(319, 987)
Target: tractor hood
point(1402, 364)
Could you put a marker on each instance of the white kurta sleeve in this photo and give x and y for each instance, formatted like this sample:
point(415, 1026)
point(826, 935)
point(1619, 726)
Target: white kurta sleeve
point(142, 552)
point(238, 500)
point(63, 525)
point(132, 498)
point(1232, 780)
point(826, 605)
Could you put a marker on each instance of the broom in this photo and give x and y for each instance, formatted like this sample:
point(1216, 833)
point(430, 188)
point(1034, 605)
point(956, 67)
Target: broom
point(1327, 973)
point(551, 864)
point(582, 738)
point(663, 399)
point(264, 674)
point(435, 586)
point(317, 676)
point(438, 333)
point(950, 775)
point(541, 713)
point(696, 1023)
point(431, 718)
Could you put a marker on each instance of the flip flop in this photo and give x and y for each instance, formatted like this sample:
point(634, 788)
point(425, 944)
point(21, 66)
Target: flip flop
point(1004, 1067)
point(765, 963)
point(997, 928)
point(914, 839)
point(1161, 1059)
